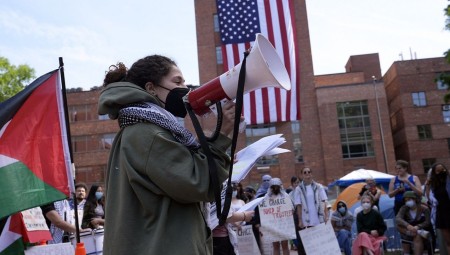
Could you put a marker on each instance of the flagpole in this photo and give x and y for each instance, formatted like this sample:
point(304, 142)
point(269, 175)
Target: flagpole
point(69, 141)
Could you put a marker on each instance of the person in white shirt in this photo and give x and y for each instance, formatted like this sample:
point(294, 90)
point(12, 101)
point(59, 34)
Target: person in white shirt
point(310, 203)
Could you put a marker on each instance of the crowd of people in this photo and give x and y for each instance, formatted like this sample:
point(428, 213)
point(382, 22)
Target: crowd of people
point(159, 186)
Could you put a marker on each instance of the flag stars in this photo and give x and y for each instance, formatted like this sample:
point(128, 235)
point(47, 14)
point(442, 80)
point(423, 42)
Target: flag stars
point(238, 20)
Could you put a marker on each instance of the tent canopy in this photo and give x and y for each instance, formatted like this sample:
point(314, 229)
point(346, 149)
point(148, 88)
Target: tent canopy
point(361, 175)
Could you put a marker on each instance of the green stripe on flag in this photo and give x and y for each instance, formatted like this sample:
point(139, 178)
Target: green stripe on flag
point(22, 189)
point(16, 248)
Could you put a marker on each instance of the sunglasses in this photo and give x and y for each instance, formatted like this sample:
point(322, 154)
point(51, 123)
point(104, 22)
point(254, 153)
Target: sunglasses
point(306, 172)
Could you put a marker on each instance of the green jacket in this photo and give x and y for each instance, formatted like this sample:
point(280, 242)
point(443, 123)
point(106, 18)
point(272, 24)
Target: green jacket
point(154, 185)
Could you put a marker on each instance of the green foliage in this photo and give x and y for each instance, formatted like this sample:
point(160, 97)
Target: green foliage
point(13, 78)
point(445, 77)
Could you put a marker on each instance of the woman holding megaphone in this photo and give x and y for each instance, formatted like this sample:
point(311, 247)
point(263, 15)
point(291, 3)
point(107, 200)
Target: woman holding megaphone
point(157, 172)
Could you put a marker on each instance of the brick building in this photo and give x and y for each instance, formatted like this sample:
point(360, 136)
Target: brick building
point(418, 114)
point(350, 120)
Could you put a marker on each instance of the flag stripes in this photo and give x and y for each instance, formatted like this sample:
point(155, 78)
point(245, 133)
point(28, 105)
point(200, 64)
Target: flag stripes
point(276, 23)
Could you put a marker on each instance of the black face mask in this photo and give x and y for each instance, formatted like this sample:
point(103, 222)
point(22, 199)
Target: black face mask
point(276, 190)
point(174, 101)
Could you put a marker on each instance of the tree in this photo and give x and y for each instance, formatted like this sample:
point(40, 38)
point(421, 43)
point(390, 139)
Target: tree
point(13, 78)
point(445, 77)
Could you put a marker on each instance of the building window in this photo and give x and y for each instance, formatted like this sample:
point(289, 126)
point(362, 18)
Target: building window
point(107, 141)
point(83, 113)
point(298, 150)
point(427, 163)
point(255, 132)
point(219, 55)
point(103, 117)
point(446, 112)
point(216, 23)
point(354, 127)
point(87, 143)
point(419, 99)
point(441, 85)
point(424, 132)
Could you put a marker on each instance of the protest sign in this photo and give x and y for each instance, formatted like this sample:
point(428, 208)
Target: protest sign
point(320, 240)
point(246, 241)
point(277, 221)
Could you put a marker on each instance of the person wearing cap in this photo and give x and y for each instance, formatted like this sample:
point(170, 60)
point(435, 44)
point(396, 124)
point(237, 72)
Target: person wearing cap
point(262, 190)
point(413, 223)
point(342, 220)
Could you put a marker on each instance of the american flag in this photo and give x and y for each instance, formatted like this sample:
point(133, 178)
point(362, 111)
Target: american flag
point(240, 21)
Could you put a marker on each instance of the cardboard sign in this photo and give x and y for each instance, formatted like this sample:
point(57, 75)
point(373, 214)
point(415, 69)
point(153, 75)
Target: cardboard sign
point(320, 240)
point(277, 220)
point(246, 241)
point(34, 219)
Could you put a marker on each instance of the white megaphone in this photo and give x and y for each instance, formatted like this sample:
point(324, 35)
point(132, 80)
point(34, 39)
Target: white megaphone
point(264, 68)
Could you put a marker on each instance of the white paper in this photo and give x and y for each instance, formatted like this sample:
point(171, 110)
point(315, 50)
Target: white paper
point(247, 157)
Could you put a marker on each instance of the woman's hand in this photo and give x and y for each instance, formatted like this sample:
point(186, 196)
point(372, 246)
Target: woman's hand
point(374, 233)
point(228, 111)
point(96, 222)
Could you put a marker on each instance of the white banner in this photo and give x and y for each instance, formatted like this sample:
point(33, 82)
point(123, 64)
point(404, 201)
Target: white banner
point(277, 220)
point(320, 240)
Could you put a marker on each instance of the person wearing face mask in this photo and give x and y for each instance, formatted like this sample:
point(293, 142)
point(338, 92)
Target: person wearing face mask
point(413, 223)
point(262, 190)
point(94, 209)
point(342, 220)
point(158, 178)
point(224, 237)
point(275, 191)
point(439, 186)
point(370, 227)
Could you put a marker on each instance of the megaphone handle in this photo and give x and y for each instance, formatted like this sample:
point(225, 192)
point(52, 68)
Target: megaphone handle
point(218, 123)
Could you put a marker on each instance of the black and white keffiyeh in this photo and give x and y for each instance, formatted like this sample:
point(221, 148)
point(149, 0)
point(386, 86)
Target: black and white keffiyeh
point(148, 112)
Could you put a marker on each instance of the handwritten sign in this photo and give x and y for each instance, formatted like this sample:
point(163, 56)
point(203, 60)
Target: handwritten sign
point(277, 221)
point(246, 241)
point(320, 240)
point(34, 219)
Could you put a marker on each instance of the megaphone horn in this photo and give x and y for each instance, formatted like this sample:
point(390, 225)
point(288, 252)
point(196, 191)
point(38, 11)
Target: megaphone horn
point(264, 68)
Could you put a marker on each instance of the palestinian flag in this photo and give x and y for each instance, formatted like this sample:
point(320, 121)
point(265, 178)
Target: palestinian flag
point(11, 242)
point(34, 152)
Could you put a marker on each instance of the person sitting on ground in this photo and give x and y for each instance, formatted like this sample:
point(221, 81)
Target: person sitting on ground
point(413, 223)
point(371, 227)
point(342, 220)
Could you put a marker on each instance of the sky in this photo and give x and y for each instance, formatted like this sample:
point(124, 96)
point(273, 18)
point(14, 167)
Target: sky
point(91, 35)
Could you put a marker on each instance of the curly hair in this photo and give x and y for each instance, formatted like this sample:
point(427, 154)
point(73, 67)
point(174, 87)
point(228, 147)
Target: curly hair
point(148, 69)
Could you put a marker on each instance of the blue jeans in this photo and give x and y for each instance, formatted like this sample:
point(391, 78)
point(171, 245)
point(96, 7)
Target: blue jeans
point(344, 238)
